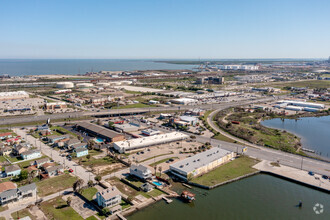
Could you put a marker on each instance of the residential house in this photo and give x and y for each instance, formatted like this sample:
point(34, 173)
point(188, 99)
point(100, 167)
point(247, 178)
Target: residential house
point(109, 197)
point(55, 170)
point(5, 150)
point(7, 186)
point(147, 187)
point(81, 152)
point(140, 171)
point(55, 138)
point(12, 170)
point(30, 154)
point(40, 162)
point(6, 135)
point(17, 194)
point(71, 142)
point(20, 148)
point(77, 146)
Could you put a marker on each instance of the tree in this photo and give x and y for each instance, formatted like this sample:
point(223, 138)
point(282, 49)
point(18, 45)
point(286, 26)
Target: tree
point(88, 157)
point(98, 122)
point(77, 185)
point(90, 183)
point(80, 138)
point(68, 201)
point(110, 123)
point(98, 178)
point(160, 170)
point(105, 211)
point(184, 149)
point(23, 175)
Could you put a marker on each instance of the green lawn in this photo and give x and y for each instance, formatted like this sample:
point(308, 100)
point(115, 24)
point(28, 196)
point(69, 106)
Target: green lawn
point(137, 105)
point(124, 205)
point(162, 161)
point(57, 209)
point(21, 214)
point(97, 162)
point(155, 193)
point(228, 171)
point(223, 138)
point(55, 184)
point(63, 130)
point(88, 193)
point(91, 218)
point(3, 208)
point(26, 163)
point(134, 181)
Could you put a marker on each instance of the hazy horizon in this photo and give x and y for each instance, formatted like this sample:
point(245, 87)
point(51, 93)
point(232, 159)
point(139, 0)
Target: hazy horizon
point(180, 29)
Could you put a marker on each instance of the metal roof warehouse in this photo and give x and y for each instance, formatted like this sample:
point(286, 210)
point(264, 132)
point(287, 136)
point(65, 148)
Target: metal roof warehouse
point(123, 146)
point(96, 130)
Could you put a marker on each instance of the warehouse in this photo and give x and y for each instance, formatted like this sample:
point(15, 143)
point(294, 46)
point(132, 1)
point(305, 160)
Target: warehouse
point(132, 144)
point(183, 101)
point(129, 127)
point(13, 95)
point(99, 131)
point(201, 163)
point(303, 104)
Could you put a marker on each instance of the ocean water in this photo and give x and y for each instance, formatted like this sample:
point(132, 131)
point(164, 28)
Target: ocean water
point(257, 197)
point(21, 67)
point(313, 131)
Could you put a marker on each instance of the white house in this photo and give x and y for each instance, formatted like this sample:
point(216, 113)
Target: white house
point(108, 197)
point(140, 171)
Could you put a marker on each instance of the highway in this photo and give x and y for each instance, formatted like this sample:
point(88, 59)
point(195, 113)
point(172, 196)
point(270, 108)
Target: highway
point(71, 115)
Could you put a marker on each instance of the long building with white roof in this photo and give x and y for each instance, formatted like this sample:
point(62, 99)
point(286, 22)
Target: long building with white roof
point(201, 163)
point(13, 95)
point(127, 145)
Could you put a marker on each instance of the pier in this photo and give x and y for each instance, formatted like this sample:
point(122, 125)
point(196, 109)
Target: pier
point(167, 200)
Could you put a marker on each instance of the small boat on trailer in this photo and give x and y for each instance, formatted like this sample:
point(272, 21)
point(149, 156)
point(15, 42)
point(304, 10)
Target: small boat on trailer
point(187, 196)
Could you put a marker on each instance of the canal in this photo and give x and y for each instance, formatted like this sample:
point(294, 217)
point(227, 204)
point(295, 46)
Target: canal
point(313, 131)
point(257, 197)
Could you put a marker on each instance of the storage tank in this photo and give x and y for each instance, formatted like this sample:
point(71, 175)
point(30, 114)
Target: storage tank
point(84, 85)
point(64, 85)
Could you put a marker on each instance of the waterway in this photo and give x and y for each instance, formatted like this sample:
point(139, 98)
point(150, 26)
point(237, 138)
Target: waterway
point(313, 131)
point(257, 197)
point(20, 67)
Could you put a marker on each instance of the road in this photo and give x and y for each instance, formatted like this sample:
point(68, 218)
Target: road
point(72, 115)
point(78, 170)
point(263, 153)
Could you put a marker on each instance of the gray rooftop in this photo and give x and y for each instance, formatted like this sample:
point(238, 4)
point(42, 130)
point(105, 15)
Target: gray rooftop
point(12, 168)
point(110, 192)
point(51, 169)
point(81, 149)
point(139, 167)
point(30, 152)
point(98, 129)
point(199, 160)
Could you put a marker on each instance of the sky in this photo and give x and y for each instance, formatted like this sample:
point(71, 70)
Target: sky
point(164, 29)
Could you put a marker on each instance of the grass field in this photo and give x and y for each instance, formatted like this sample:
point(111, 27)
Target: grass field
point(88, 193)
point(97, 162)
point(233, 169)
point(91, 218)
point(3, 208)
point(21, 214)
point(57, 209)
point(310, 84)
point(137, 105)
point(223, 138)
point(55, 184)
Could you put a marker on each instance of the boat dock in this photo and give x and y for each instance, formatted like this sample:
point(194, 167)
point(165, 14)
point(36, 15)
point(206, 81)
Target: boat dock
point(167, 200)
point(186, 185)
point(120, 216)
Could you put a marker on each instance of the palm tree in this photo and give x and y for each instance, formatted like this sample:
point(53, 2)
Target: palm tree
point(68, 201)
point(160, 170)
point(88, 157)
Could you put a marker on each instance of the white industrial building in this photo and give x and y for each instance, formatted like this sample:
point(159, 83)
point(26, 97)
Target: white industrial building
point(238, 67)
point(201, 163)
point(183, 101)
point(65, 85)
point(13, 95)
point(302, 104)
point(127, 145)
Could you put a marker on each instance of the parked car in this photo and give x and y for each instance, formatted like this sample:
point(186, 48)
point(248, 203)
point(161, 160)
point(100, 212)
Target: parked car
point(70, 170)
point(325, 177)
point(311, 173)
